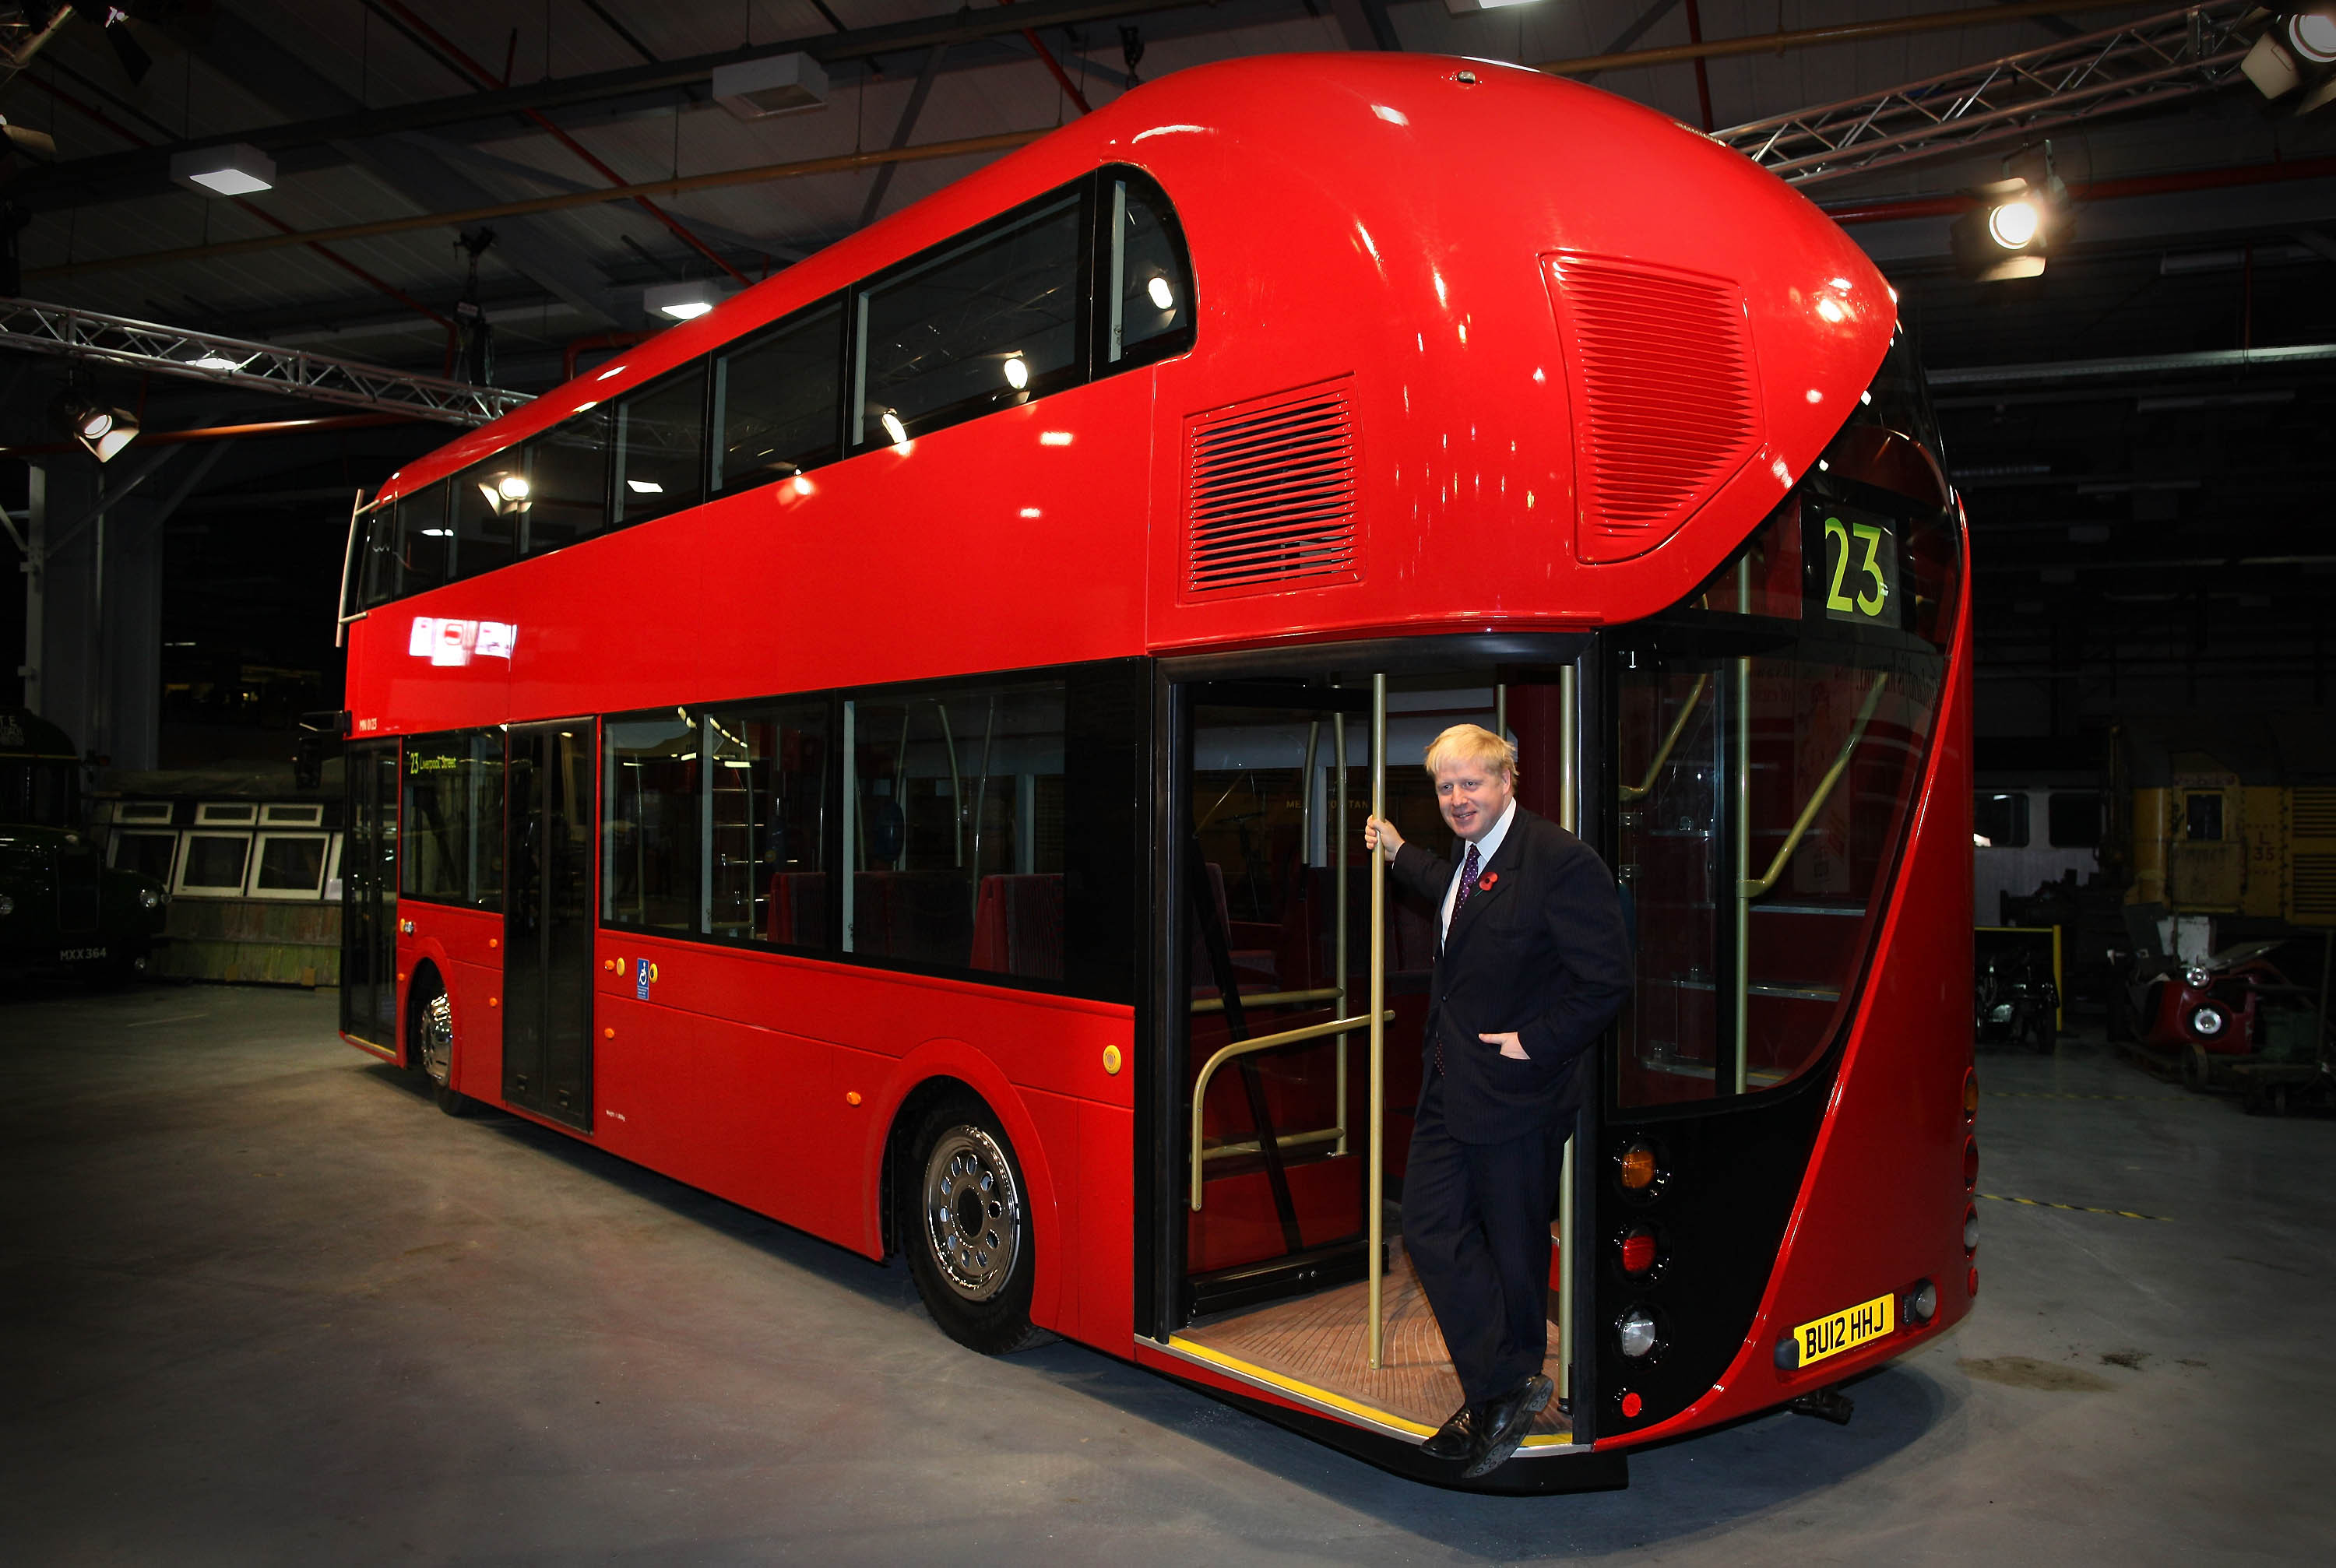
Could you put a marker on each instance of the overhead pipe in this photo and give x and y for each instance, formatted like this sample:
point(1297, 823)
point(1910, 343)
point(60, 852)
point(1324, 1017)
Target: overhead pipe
point(226, 431)
point(289, 236)
point(839, 163)
point(2174, 184)
point(1062, 77)
point(1779, 42)
point(580, 346)
point(453, 52)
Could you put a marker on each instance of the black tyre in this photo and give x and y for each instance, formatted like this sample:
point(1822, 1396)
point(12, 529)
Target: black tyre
point(431, 1051)
point(963, 1215)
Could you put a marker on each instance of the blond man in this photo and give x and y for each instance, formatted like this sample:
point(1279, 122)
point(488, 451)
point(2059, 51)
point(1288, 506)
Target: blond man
point(1531, 964)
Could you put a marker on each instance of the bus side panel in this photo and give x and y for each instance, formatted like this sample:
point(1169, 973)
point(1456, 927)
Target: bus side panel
point(606, 625)
point(478, 1028)
point(1881, 1204)
point(1105, 1180)
point(763, 1099)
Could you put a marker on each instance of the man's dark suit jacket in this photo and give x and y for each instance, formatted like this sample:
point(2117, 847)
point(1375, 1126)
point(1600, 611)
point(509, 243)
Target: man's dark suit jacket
point(1539, 949)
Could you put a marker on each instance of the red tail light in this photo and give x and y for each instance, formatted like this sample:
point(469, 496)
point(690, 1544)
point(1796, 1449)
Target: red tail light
point(1639, 1251)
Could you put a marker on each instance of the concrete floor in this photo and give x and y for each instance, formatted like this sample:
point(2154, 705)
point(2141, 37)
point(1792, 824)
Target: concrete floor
point(259, 1303)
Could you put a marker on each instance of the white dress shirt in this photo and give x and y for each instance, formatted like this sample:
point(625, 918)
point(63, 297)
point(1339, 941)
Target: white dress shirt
point(1486, 849)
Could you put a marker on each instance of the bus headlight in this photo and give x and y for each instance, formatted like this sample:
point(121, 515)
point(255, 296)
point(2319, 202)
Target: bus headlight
point(2206, 1022)
point(1636, 1330)
point(8, 906)
point(151, 897)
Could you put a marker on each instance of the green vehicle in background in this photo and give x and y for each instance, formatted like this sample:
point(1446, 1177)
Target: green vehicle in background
point(62, 908)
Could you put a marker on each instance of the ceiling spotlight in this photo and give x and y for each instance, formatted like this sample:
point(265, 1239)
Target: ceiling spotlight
point(102, 431)
point(2009, 229)
point(2013, 225)
point(237, 170)
point(681, 301)
point(893, 427)
point(1018, 372)
point(2297, 49)
point(511, 487)
point(1163, 297)
point(216, 361)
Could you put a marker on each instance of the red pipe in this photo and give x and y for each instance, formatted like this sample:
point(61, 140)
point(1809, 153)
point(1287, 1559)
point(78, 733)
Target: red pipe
point(1702, 72)
point(70, 102)
point(228, 432)
point(610, 175)
point(2187, 180)
point(580, 346)
point(1030, 37)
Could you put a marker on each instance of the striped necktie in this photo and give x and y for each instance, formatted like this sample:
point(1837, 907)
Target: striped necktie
point(1459, 901)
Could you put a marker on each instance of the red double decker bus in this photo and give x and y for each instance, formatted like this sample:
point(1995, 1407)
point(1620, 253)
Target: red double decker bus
point(891, 752)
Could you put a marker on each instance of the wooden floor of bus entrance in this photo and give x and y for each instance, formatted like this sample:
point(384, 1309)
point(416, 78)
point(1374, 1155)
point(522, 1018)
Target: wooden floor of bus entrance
point(1322, 1342)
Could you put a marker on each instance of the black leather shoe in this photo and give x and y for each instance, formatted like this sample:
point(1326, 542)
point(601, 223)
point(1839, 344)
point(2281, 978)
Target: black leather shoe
point(1502, 1424)
point(1457, 1438)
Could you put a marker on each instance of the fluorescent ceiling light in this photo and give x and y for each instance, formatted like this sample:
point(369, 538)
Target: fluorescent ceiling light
point(1462, 8)
point(237, 170)
point(645, 487)
point(217, 362)
point(774, 84)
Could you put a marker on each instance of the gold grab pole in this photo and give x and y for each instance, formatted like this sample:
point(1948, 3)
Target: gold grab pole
point(1374, 1207)
point(1244, 1048)
point(1568, 817)
point(1754, 887)
point(1339, 942)
point(1646, 787)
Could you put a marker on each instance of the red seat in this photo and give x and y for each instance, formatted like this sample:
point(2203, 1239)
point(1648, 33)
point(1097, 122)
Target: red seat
point(1017, 925)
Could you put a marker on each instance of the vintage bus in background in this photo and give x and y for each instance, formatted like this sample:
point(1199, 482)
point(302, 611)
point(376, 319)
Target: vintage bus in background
point(892, 751)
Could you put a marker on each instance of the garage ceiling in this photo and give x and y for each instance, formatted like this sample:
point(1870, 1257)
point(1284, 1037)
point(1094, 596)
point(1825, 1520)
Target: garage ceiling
point(2140, 528)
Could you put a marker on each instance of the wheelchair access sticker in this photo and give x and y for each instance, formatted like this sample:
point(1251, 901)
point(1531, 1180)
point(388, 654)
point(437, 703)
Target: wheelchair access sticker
point(643, 973)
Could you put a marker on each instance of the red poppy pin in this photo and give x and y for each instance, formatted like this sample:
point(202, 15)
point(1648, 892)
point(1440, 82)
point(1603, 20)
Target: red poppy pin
point(1488, 879)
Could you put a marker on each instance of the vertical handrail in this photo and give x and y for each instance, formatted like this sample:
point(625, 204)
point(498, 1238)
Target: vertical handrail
point(1374, 1208)
point(1568, 817)
point(1740, 769)
point(1339, 950)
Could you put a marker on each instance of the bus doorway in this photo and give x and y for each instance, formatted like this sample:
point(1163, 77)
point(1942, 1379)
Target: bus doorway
point(548, 921)
point(1278, 1209)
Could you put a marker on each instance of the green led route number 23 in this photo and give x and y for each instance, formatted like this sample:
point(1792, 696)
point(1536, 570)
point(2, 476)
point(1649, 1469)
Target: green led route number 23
point(1861, 568)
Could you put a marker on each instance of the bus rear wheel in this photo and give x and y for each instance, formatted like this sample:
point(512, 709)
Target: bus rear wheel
point(964, 1219)
point(433, 1047)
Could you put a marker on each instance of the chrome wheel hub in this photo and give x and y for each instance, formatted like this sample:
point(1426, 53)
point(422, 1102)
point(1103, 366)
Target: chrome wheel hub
point(438, 1040)
point(973, 1213)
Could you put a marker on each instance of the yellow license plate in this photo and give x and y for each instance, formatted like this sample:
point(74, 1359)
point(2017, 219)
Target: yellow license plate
point(1845, 1329)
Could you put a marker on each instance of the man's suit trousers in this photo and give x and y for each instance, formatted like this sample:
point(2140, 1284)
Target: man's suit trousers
point(1475, 1223)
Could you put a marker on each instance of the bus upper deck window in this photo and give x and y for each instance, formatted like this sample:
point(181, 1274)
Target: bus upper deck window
point(1150, 292)
point(425, 540)
point(988, 322)
point(661, 448)
point(774, 401)
point(567, 470)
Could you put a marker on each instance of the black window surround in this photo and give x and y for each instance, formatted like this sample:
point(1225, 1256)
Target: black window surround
point(1107, 196)
point(1106, 728)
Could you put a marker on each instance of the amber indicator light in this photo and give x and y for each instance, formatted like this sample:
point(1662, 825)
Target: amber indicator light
point(1637, 1168)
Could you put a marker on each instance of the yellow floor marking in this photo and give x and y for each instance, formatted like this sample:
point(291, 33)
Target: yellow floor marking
point(2075, 1208)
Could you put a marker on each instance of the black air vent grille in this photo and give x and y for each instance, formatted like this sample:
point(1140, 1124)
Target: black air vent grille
point(1272, 492)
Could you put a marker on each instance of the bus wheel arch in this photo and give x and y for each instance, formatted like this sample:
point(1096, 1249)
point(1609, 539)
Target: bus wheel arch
point(432, 1038)
point(959, 1204)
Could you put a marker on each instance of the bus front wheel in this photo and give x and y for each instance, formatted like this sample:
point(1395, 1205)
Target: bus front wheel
point(433, 1047)
point(964, 1222)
